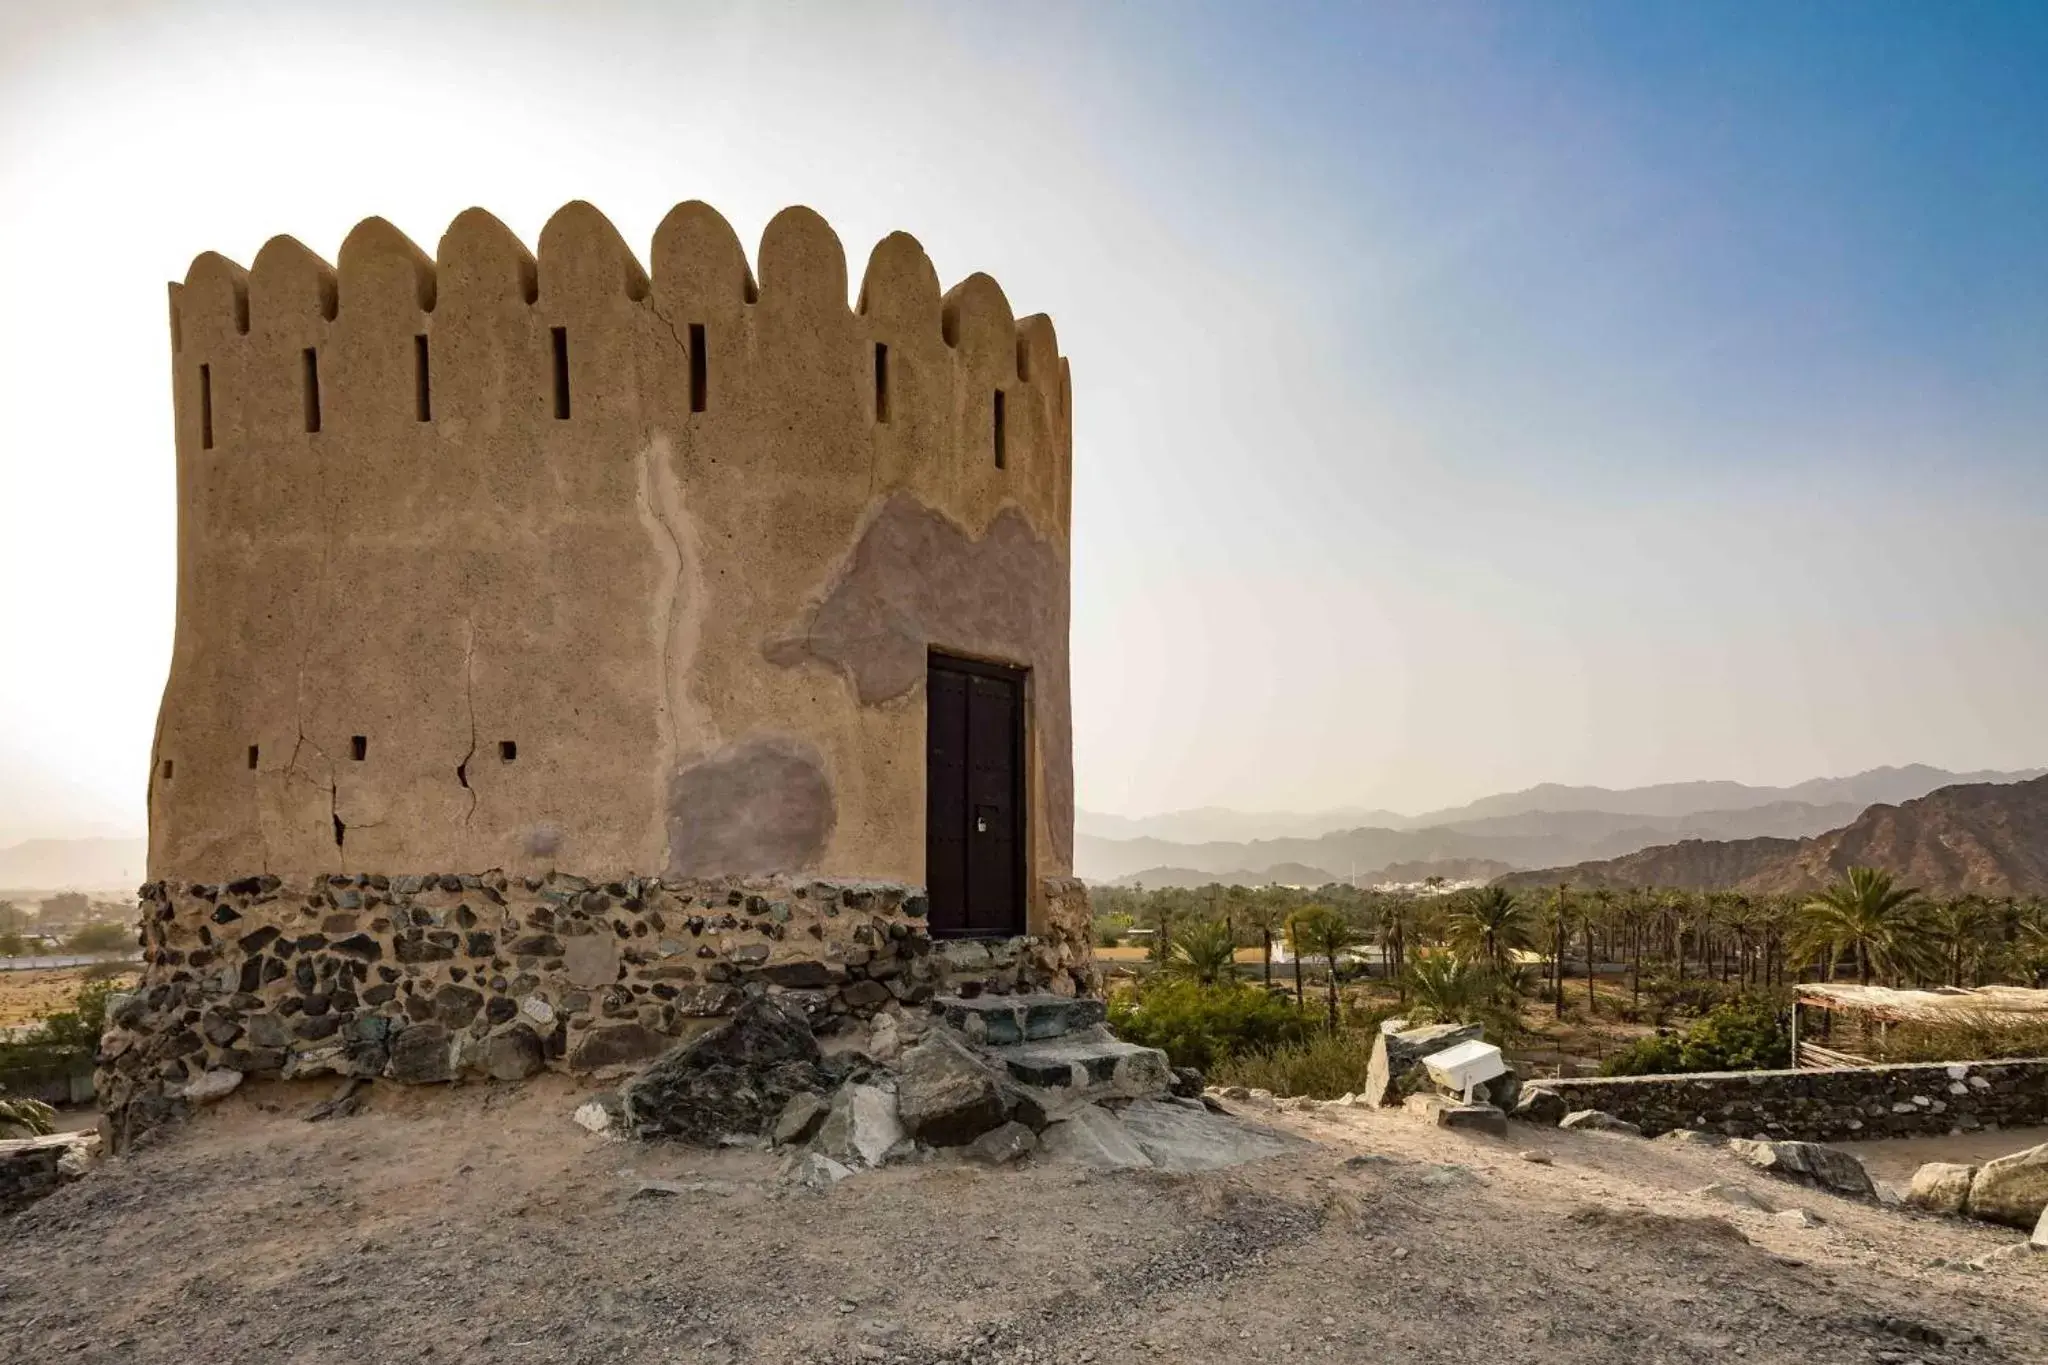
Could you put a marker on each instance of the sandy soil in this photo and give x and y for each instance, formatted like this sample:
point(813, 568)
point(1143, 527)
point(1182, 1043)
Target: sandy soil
point(28, 997)
point(482, 1225)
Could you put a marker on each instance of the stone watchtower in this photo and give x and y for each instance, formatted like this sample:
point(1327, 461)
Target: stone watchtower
point(565, 648)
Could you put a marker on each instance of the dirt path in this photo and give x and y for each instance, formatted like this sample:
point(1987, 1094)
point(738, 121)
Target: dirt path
point(481, 1225)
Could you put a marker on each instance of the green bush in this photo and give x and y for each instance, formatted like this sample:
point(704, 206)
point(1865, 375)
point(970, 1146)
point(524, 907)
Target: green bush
point(1110, 930)
point(62, 1043)
point(1323, 1066)
point(1736, 1037)
point(1200, 1026)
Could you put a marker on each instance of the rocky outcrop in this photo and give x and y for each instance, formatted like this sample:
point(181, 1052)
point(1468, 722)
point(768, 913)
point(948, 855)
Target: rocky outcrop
point(1810, 1164)
point(946, 1094)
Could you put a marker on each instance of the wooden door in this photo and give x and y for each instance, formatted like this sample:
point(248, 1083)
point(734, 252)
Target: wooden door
point(974, 798)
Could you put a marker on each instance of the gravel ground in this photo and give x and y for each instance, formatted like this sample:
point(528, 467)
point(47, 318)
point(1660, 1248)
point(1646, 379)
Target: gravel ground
point(482, 1225)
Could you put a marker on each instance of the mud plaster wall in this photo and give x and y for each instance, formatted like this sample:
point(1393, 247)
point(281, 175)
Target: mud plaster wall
point(703, 630)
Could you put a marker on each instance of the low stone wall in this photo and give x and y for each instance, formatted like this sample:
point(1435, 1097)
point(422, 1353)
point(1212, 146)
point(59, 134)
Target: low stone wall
point(438, 977)
point(1920, 1100)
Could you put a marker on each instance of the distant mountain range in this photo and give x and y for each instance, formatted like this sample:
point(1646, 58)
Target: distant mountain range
point(1301, 874)
point(1544, 826)
point(1983, 838)
point(74, 865)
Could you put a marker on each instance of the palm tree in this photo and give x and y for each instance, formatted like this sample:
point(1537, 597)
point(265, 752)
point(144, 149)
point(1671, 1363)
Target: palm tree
point(1263, 913)
point(1957, 924)
point(1560, 919)
point(1322, 931)
point(1492, 924)
point(1205, 953)
point(1864, 915)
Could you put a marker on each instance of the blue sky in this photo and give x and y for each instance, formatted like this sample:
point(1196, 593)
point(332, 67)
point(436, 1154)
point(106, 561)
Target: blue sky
point(1468, 396)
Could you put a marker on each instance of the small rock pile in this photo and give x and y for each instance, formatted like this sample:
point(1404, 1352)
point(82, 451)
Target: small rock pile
point(993, 1080)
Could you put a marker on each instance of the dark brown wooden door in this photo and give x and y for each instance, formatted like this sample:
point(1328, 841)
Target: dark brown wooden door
point(974, 797)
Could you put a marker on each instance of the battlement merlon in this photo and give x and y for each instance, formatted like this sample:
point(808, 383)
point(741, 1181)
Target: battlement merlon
point(294, 356)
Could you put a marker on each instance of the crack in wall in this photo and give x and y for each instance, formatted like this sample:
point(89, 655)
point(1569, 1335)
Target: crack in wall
point(469, 706)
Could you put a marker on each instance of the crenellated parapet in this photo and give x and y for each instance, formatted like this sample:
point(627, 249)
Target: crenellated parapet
point(527, 559)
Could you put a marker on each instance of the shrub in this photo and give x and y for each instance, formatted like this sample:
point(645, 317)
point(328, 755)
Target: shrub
point(1110, 930)
point(1323, 1066)
point(1660, 1054)
point(103, 937)
point(1737, 1037)
point(1200, 1026)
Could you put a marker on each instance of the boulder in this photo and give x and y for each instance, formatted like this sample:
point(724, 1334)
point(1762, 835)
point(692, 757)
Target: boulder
point(1598, 1121)
point(1092, 1136)
point(945, 1093)
point(733, 1080)
point(1395, 1069)
point(819, 1172)
point(1810, 1164)
point(1546, 1107)
point(2039, 1241)
point(1692, 1137)
point(1941, 1187)
point(860, 1127)
point(799, 1118)
point(1503, 1092)
point(2012, 1189)
point(1000, 1146)
point(1187, 1083)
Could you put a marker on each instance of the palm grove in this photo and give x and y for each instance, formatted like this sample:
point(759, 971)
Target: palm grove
point(1720, 962)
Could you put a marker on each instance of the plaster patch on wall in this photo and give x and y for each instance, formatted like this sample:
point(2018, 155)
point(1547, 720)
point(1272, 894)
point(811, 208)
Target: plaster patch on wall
point(916, 582)
point(682, 726)
point(761, 805)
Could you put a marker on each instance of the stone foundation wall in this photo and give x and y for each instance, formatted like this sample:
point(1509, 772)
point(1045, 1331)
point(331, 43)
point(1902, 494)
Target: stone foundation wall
point(1921, 1100)
point(440, 977)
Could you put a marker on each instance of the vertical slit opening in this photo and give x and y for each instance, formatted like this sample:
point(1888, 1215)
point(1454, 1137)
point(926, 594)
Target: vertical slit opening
point(312, 388)
point(340, 830)
point(508, 750)
point(206, 407)
point(882, 382)
point(358, 747)
point(253, 751)
point(423, 391)
point(1002, 447)
point(561, 340)
point(167, 770)
point(700, 369)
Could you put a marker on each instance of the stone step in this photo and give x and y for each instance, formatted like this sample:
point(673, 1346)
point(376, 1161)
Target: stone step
point(1088, 1067)
point(1001, 1020)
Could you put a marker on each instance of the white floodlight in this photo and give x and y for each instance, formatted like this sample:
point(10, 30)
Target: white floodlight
point(1465, 1066)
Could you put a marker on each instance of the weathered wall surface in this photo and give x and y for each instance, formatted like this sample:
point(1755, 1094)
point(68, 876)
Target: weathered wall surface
point(1823, 1106)
point(425, 978)
point(693, 587)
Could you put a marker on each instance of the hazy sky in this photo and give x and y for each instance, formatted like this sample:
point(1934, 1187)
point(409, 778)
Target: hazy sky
point(1467, 395)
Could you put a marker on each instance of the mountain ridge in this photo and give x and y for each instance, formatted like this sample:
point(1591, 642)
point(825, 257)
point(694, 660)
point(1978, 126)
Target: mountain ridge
point(1983, 838)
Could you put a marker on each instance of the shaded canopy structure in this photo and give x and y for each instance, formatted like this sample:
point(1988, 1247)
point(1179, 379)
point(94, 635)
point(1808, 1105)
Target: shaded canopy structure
point(1981, 1007)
